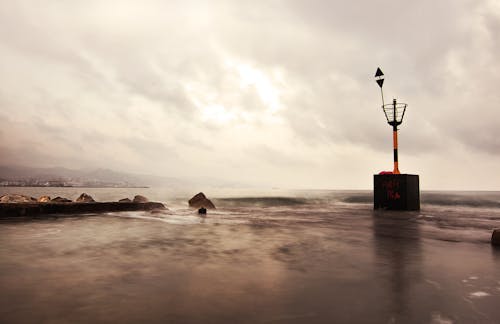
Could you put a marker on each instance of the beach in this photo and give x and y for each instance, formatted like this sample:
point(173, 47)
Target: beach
point(260, 257)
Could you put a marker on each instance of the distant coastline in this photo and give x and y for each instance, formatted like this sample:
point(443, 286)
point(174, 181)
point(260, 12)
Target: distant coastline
point(71, 186)
point(60, 177)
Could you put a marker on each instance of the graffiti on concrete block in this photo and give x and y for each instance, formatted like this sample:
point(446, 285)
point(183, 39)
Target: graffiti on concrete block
point(392, 189)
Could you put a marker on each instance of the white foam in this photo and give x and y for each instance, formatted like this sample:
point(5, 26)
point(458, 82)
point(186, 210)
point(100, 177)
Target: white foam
point(434, 283)
point(439, 319)
point(48, 232)
point(181, 217)
point(479, 294)
point(473, 278)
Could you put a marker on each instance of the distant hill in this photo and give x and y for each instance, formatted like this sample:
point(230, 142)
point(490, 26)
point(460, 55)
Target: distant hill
point(59, 176)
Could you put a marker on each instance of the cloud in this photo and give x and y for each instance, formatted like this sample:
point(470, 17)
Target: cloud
point(215, 87)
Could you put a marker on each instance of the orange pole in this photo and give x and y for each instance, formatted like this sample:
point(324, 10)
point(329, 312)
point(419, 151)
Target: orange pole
point(395, 145)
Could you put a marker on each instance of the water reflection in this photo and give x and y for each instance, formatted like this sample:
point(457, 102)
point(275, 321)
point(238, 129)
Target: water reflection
point(495, 252)
point(398, 252)
point(247, 265)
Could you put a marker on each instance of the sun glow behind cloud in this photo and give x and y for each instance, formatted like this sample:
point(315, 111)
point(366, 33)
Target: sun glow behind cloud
point(267, 91)
point(246, 95)
point(218, 114)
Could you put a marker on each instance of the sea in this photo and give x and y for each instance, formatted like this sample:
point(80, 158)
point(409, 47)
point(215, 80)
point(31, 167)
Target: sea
point(263, 256)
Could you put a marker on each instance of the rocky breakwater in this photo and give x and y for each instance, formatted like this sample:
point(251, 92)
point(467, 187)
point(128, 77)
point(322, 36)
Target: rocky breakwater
point(24, 206)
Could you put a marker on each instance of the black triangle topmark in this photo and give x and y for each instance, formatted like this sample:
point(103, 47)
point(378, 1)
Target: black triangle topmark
point(379, 72)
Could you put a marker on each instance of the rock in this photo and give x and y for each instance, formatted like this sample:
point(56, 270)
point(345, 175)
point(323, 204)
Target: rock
point(85, 198)
point(200, 200)
point(495, 237)
point(60, 199)
point(140, 199)
point(125, 200)
point(44, 199)
point(15, 198)
point(202, 211)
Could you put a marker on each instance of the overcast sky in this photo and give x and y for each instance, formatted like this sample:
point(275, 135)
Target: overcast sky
point(270, 93)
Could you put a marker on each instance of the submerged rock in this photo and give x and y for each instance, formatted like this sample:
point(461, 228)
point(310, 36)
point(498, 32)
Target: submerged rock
point(200, 200)
point(125, 200)
point(85, 198)
point(495, 237)
point(140, 199)
point(15, 198)
point(44, 199)
point(60, 199)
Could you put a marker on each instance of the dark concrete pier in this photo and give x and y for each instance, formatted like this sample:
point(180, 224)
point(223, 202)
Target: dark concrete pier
point(13, 210)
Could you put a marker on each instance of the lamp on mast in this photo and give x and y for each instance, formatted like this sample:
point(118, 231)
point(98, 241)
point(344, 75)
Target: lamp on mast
point(394, 113)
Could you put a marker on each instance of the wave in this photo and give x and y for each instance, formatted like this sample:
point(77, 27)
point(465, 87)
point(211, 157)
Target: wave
point(358, 199)
point(465, 200)
point(260, 201)
point(472, 200)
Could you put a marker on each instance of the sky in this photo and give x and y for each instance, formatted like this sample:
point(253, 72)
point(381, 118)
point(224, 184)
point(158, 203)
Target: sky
point(262, 93)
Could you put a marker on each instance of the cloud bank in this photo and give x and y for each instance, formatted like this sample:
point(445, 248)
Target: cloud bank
point(271, 93)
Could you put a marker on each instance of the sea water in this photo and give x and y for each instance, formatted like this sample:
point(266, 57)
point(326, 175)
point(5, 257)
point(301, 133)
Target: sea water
point(262, 257)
